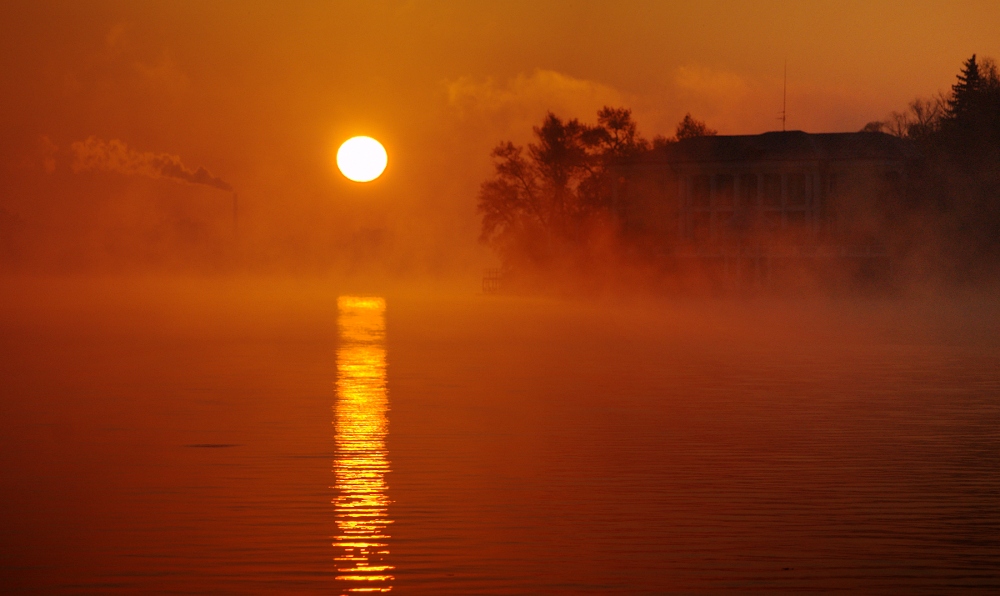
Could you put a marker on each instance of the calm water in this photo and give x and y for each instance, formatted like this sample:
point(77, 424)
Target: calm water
point(332, 442)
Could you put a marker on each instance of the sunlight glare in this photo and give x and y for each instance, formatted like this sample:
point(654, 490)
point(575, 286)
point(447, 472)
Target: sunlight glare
point(362, 461)
point(362, 159)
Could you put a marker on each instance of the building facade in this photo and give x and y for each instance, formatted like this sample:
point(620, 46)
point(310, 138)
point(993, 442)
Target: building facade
point(749, 203)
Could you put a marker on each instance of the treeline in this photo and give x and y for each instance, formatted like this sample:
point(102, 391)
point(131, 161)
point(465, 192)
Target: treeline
point(953, 190)
point(548, 206)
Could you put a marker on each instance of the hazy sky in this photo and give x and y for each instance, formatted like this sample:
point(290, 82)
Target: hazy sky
point(260, 95)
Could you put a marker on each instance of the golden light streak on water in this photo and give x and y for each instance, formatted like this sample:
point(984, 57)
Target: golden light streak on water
point(362, 502)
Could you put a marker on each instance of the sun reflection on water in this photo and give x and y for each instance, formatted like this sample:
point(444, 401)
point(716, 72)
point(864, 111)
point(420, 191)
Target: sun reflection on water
point(362, 501)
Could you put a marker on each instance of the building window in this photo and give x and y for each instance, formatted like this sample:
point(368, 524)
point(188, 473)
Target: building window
point(772, 191)
point(748, 192)
point(701, 188)
point(701, 227)
point(724, 191)
point(892, 186)
point(797, 190)
point(797, 218)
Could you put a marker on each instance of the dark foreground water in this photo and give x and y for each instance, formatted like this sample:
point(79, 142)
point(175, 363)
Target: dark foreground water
point(273, 441)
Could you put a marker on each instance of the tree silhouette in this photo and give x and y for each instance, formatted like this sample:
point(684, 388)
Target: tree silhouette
point(919, 122)
point(965, 92)
point(955, 174)
point(617, 133)
point(552, 199)
point(509, 200)
point(689, 128)
point(547, 195)
point(875, 126)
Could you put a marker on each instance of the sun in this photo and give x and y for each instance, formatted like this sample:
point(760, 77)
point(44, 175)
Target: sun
point(362, 159)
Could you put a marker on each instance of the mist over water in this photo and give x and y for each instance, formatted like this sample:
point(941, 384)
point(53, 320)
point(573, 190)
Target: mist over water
point(598, 326)
point(171, 435)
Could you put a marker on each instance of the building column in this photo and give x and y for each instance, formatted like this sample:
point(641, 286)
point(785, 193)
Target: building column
point(712, 226)
point(682, 201)
point(784, 200)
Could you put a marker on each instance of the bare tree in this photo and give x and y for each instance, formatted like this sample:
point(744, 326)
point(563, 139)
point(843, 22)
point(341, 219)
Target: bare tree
point(922, 118)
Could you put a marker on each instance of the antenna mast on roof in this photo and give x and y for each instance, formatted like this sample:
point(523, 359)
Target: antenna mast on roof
point(784, 98)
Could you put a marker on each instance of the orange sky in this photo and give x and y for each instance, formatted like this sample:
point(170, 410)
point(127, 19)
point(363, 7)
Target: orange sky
point(260, 95)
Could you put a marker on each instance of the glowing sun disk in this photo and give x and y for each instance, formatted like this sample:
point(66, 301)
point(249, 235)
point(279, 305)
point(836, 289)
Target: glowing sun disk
point(362, 159)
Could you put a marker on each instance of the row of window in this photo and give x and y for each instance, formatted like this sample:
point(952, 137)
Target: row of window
point(703, 226)
point(763, 190)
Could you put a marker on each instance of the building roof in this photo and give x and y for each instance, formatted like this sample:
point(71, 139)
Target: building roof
point(794, 145)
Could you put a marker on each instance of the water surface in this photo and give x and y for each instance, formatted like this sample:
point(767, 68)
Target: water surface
point(326, 441)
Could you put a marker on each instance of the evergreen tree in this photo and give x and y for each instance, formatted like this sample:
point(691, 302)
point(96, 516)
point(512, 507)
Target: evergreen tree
point(966, 91)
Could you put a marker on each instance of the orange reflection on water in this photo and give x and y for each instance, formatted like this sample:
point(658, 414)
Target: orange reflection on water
point(362, 502)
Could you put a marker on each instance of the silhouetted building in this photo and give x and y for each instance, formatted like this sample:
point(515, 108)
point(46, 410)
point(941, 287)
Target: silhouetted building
point(750, 203)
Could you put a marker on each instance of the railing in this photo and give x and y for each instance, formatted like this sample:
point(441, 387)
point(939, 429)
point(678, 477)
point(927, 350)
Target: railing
point(492, 281)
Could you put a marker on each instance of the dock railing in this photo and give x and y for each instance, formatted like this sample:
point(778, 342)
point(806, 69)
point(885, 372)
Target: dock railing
point(492, 280)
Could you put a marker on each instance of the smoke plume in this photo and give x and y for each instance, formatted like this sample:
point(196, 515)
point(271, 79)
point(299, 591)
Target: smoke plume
point(116, 156)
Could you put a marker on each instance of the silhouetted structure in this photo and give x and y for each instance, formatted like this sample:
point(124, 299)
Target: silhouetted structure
point(742, 207)
point(602, 203)
point(492, 280)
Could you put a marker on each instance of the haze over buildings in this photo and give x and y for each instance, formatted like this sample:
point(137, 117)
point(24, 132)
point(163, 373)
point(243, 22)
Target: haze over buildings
point(259, 96)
